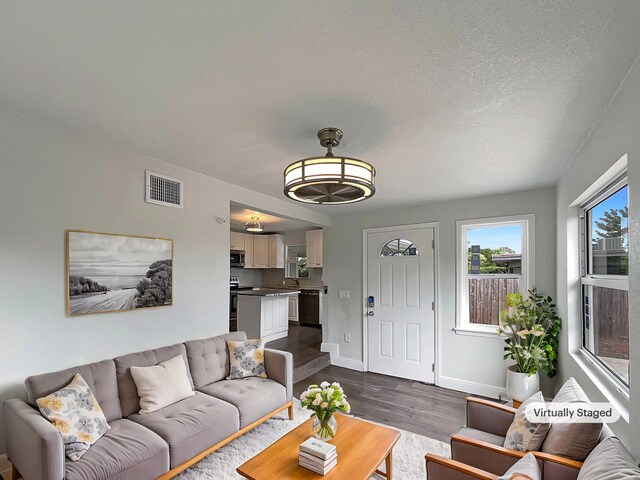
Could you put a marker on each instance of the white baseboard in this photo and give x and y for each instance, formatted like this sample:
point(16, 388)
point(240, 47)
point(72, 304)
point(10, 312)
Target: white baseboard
point(467, 386)
point(348, 363)
point(5, 465)
point(337, 360)
point(332, 348)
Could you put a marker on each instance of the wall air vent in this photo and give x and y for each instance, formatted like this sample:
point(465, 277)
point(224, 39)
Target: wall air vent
point(163, 190)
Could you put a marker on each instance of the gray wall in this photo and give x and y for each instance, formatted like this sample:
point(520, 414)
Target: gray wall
point(52, 180)
point(616, 134)
point(469, 363)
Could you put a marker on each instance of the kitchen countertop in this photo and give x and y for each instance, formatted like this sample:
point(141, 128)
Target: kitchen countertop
point(283, 287)
point(268, 292)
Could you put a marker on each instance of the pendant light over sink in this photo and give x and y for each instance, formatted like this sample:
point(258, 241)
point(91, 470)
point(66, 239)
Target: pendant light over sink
point(329, 180)
point(254, 225)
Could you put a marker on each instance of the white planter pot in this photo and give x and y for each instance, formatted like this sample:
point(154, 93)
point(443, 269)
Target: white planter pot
point(521, 386)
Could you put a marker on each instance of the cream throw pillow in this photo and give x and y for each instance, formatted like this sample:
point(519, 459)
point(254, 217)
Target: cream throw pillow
point(522, 434)
point(163, 384)
point(75, 412)
point(246, 359)
point(526, 467)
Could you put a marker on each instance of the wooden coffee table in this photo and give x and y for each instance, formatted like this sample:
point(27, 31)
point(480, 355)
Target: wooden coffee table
point(362, 447)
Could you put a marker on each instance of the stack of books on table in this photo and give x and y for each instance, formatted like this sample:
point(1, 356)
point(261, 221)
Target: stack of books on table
point(317, 456)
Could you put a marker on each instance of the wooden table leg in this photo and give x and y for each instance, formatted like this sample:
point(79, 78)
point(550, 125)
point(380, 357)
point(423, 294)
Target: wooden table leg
point(291, 411)
point(388, 465)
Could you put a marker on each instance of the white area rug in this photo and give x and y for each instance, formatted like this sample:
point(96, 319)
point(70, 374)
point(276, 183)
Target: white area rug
point(408, 454)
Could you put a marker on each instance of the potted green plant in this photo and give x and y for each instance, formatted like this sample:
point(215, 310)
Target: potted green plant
point(531, 327)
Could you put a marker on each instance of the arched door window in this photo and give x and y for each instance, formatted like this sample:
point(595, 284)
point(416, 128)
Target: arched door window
point(399, 247)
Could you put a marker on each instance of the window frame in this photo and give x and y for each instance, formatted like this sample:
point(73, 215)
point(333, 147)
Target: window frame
point(586, 279)
point(527, 222)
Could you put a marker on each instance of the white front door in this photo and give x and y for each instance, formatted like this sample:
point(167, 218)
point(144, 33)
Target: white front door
point(401, 320)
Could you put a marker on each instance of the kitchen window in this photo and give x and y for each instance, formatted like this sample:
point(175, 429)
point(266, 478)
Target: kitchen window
point(495, 258)
point(604, 280)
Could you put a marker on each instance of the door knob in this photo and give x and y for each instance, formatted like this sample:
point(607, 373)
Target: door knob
point(370, 313)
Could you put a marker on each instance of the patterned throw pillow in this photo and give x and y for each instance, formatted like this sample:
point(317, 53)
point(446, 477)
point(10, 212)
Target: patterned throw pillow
point(522, 434)
point(75, 412)
point(247, 359)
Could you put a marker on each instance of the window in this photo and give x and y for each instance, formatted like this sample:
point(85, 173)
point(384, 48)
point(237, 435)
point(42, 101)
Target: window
point(494, 259)
point(605, 279)
point(399, 248)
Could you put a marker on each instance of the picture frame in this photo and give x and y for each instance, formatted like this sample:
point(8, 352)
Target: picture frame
point(113, 272)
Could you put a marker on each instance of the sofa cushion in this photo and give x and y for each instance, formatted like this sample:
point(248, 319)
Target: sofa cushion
point(209, 358)
point(129, 400)
point(527, 466)
point(609, 460)
point(75, 412)
point(192, 425)
point(524, 435)
point(161, 385)
point(482, 436)
point(572, 440)
point(254, 397)
point(126, 452)
point(100, 376)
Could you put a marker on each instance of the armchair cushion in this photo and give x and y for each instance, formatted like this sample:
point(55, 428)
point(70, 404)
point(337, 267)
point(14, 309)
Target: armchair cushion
point(522, 434)
point(572, 440)
point(526, 467)
point(609, 460)
point(480, 435)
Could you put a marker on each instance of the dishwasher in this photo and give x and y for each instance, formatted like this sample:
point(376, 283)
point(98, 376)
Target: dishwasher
point(310, 307)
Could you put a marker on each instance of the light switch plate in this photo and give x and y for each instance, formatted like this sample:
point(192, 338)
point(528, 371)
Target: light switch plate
point(347, 338)
point(345, 294)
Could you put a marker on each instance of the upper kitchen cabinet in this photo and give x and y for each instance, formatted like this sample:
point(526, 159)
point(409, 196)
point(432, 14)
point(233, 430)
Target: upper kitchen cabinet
point(268, 251)
point(315, 243)
point(248, 251)
point(237, 241)
point(276, 251)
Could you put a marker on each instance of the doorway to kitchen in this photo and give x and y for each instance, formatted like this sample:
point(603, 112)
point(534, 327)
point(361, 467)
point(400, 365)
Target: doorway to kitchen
point(400, 272)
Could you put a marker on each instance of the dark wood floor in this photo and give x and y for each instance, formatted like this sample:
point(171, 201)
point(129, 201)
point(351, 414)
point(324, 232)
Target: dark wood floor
point(424, 409)
point(303, 342)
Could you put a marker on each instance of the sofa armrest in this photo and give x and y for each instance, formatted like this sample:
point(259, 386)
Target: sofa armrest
point(558, 468)
point(34, 445)
point(279, 367)
point(488, 416)
point(440, 468)
point(486, 456)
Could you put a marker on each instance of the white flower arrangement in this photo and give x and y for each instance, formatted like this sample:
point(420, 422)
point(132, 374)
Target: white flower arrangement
point(325, 400)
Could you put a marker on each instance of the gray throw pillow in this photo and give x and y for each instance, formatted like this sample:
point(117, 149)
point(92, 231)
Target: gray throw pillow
point(572, 440)
point(527, 465)
point(610, 460)
point(522, 434)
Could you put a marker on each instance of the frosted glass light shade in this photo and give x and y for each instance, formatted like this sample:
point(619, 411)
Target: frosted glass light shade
point(329, 180)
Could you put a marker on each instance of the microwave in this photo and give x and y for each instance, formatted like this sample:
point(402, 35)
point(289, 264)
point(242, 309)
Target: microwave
point(237, 258)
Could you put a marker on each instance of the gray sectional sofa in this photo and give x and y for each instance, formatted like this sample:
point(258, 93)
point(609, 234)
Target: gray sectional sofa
point(158, 445)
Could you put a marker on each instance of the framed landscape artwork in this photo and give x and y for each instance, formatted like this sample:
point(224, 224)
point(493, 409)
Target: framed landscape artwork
point(109, 272)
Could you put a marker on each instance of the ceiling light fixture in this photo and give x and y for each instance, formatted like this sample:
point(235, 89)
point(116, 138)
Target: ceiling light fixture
point(329, 179)
point(253, 225)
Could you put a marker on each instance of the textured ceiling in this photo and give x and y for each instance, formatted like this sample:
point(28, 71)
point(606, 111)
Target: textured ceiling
point(447, 99)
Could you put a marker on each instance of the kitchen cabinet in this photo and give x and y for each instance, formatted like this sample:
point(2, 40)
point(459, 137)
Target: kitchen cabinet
point(276, 251)
point(248, 251)
point(237, 241)
point(315, 244)
point(293, 308)
point(260, 251)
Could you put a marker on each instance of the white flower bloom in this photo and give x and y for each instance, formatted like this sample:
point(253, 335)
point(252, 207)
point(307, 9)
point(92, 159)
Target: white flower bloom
point(324, 384)
point(324, 404)
point(316, 402)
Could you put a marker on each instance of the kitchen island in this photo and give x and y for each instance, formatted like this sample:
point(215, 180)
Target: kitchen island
point(264, 312)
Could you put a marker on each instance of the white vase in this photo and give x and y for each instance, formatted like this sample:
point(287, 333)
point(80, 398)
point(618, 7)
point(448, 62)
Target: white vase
point(521, 386)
